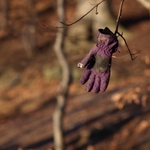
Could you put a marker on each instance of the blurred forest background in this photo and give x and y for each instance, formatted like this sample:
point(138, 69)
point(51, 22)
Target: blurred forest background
point(30, 76)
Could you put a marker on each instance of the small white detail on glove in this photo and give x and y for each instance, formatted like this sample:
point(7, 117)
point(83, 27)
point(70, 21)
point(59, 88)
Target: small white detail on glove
point(80, 65)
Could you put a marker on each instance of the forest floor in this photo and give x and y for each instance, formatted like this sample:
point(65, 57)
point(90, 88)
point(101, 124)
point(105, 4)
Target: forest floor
point(118, 119)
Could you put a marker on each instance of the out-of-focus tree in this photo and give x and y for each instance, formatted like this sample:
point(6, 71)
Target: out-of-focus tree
point(29, 29)
point(3, 13)
point(145, 3)
point(65, 82)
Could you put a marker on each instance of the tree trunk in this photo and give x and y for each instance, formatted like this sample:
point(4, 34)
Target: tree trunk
point(29, 30)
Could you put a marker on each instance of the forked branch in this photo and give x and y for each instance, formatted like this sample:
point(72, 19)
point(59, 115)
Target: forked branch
point(131, 55)
point(121, 35)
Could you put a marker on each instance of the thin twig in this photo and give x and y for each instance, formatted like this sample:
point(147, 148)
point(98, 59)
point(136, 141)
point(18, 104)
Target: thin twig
point(127, 55)
point(70, 24)
point(119, 16)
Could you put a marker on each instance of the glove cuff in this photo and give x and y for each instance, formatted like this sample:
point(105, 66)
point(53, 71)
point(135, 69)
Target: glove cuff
point(107, 42)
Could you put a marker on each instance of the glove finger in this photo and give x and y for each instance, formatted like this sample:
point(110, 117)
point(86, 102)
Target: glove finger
point(90, 83)
point(104, 82)
point(85, 76)
point(96, 86)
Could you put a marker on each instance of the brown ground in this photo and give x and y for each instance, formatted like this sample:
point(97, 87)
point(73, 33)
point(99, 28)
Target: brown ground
point(92, 122)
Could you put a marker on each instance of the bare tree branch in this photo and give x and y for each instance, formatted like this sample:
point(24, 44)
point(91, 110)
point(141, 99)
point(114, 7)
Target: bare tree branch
point(131, 55)
point(96, 6)
point(119, 16)
point(121, 35)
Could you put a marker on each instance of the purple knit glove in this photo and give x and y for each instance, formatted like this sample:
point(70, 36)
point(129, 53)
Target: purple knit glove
point(97, 62)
